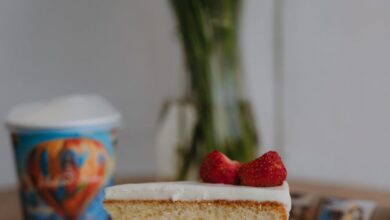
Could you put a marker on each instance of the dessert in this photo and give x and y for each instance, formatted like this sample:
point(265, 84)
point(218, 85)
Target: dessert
point(192, 200)
point(209, 200)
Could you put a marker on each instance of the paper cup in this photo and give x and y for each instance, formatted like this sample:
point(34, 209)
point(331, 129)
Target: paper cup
point(64, 154)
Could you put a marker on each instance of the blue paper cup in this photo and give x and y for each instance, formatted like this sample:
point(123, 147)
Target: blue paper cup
point(64, 163)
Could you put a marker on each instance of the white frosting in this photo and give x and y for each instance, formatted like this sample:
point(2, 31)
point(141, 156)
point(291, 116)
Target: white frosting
point(64, 112)
point(187, 191)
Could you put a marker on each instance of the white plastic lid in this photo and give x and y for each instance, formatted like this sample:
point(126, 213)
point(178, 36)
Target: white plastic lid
point(64, 112)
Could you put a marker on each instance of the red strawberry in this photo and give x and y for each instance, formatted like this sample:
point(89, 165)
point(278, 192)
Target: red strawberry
point(267, 170)
point(218, 168)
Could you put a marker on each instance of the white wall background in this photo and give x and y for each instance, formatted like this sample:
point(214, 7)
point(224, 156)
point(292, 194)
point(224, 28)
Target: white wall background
point(336, 91)
point(125, 50)
point(334, 78)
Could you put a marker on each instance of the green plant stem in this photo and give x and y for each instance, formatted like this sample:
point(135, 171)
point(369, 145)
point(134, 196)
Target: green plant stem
point(209, 34)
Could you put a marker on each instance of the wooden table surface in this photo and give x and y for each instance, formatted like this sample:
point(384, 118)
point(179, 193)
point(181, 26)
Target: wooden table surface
point(10, 207)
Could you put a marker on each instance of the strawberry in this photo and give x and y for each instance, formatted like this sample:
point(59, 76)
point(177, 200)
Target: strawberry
point(267, 170)
point(218, 168)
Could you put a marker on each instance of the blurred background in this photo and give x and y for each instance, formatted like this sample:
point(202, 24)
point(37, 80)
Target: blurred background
point(316, 72)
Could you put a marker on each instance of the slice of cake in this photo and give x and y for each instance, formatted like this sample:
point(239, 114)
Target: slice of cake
point(263, 193)
point(192, 200)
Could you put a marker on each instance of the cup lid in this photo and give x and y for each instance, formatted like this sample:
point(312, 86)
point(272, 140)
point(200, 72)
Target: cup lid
point(64, 112)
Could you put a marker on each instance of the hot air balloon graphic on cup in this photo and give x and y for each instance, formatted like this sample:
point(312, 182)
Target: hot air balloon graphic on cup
point(68, 173)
